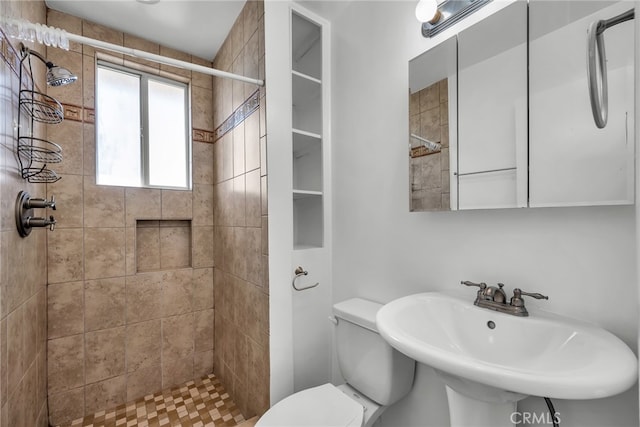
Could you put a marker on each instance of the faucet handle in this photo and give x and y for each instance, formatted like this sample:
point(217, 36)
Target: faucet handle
point(481, 285)
point(517, 301)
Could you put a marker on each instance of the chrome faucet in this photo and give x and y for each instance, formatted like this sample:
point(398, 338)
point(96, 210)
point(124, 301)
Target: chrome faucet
point(494, 298)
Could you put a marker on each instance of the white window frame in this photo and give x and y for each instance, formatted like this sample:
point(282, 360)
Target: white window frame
point(144, 123)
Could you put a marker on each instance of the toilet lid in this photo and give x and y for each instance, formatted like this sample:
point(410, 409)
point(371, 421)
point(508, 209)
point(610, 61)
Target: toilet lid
point(322, 406)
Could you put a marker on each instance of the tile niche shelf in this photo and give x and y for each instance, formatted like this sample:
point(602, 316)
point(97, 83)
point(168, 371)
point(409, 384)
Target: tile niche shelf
point(307, 120)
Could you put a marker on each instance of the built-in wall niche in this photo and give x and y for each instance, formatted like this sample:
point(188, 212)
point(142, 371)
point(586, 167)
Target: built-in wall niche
point(162, 245)
point(307, 125)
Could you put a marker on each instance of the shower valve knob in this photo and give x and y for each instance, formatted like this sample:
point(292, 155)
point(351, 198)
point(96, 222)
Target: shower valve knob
point(40, 203)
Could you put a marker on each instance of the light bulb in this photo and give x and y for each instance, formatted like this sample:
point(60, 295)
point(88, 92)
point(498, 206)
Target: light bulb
point(427, 11)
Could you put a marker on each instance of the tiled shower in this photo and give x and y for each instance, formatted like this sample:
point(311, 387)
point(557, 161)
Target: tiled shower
point(143, 288)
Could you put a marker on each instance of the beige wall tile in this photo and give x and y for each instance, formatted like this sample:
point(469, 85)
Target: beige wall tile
point(203, 204)
point(30, 326)
point(144, 381)
point(238, 150)
point(177, 292)
point(130, 250)
point(142, 203)
point(203, 364)
point(258, 381)
point(105, 304)
point(202, 108)
point(176, 54)
point(65, 309)
point(175, 246)
point(88, 81)
point(69, 201)
point(103, 205)
point(227, 155)
point(65, 255)
point(69, 23)
point(253, 255)
point(200, 79)
point(203, 163)
point(89, 146)
point(239, 261)
point(65, 365)
point(147, 248)
point(105, 394)
point(66, 406)
point(69, 135)
point(95, 31)
point(144, 345)
point(252, 141)
point(104, 252)
point(202, 288)
point(176, 204)
point(177, 337)
point(202, 247)
point(176, 371)
point(250, 23)
point(105, 354)
point(265, 235)
point(144, 45)
point(71, 93)
point(239, 201)
point(203, 340)
point(15, 349)
point(253, 199)
point(144, 296)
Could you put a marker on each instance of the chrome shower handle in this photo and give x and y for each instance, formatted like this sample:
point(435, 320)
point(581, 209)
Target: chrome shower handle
point(597, 73)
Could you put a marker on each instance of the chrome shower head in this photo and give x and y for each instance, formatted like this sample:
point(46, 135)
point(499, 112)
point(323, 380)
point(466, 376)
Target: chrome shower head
point(56, 76)
point(59, 76)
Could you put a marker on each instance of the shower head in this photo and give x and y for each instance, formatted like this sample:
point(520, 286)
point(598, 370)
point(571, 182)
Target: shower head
point(59, 76)
point(56, 76)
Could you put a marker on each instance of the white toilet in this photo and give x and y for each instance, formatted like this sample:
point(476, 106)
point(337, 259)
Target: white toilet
point(377, 376)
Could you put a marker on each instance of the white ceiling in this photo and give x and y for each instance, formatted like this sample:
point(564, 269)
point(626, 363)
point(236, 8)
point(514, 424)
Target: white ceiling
point(197, 27)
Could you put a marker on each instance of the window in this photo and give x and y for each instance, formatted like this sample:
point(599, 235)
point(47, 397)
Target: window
point(142, 129)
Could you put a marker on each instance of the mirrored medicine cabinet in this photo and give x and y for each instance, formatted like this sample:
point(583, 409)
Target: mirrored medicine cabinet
point(500, 114)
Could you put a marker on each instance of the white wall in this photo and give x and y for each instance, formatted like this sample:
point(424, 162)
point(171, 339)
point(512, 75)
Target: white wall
point(583, 258)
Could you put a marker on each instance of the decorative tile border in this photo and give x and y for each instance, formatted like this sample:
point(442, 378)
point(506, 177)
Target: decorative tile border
point(242, 112)
point(421, 151)
point(77, 113)
point(201, 135)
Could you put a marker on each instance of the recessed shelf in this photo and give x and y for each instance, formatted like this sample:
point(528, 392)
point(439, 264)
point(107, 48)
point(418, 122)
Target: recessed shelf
point(306, 46)
point(304, 194)
point(306, 77)
point(305, 133)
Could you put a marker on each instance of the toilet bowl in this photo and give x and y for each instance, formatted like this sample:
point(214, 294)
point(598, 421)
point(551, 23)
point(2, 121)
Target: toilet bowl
point(377, 376)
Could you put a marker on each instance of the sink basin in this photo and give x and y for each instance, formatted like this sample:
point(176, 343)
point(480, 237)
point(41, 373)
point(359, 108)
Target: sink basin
point(480, 353)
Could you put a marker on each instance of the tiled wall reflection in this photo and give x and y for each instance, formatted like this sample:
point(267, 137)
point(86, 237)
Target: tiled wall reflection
point(241, 241)
point(429, 174)
point(123, 324)
point(23, 261)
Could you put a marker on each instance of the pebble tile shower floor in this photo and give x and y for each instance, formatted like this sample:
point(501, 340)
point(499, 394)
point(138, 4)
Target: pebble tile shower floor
point(201, 403)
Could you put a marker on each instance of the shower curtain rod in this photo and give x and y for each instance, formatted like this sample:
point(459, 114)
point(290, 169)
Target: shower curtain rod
point(50, 36)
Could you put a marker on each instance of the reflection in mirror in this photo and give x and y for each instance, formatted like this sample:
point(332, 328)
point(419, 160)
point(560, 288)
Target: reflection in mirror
point(572, 161)
point(492, 111)
point(432, 96)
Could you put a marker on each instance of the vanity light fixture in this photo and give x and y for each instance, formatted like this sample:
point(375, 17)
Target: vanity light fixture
point(438, 17)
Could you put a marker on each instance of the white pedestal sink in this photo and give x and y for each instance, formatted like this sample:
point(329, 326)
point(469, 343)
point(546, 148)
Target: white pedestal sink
point(490, 360)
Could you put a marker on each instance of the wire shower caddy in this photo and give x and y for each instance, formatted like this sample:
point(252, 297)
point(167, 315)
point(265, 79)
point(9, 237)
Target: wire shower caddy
point(34, 154)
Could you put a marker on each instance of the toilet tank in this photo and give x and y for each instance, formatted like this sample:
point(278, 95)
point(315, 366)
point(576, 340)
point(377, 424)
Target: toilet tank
point(367, 362)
